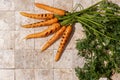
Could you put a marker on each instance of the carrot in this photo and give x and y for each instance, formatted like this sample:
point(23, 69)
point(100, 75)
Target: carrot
point(55, 37)
point(42, 23)
point(54, 27)
point(51, 9)
point(64, 39)
point(37, 16)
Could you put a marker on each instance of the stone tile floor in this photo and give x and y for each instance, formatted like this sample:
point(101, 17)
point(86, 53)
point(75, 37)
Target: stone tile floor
point(22, 60)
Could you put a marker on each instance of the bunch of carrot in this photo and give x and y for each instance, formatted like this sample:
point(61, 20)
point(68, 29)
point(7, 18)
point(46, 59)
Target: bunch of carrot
point(58, 23)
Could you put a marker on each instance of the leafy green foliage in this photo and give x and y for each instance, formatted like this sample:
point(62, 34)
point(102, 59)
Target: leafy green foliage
point(101, 47)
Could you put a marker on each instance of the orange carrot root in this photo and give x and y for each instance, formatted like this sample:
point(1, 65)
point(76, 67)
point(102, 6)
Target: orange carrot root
point(64, 40)
point(54, 27)
point(42, 23)
point(51, 9)
point(55, 37)
point(37, 16)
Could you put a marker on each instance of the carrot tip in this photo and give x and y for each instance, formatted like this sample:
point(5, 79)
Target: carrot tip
point(42, 50)
point(22, 13)
point(36, 4)
point(56, 59)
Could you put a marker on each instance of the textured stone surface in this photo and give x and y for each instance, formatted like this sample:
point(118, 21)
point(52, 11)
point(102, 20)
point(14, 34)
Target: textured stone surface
point(6, 4)
point(44, 60)
point(6, 59)
point(22, 59)
point(44, 74)
point(7, 75)
point(7, 20)
point(21, 43)
point(7, 40)
point(63, 74)
point(27, 5)
point(65, 60)
point(25, 74)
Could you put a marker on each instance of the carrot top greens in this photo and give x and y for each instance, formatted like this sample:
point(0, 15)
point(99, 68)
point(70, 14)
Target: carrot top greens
point(101, 47)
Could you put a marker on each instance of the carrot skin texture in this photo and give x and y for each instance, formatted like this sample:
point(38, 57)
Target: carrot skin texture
point(64, 39)
point(37, 16)
point(42, 23)
point(51, 9)
point(55, 37)
point(54, 27)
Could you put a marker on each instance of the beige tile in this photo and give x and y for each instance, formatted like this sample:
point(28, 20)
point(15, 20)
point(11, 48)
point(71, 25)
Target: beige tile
point(22, 20)
point(47, 2)
point(44, 60)
point(19, 59)
point(116, 1)
point(74, 75)
point(6, 59)
point(63, 74)
point(6, 4)
point(84, 3)
point(77, 60)
point(24, 59)
point(21, 43)
point(7, 20)
point(7, 40)
point(24, 74)
point(27, 5)
point(43, 74)
point(65, 60)
point(63, 4)
point(116, 76)
point(103, 79)
point(6, 74)
point(95, 1)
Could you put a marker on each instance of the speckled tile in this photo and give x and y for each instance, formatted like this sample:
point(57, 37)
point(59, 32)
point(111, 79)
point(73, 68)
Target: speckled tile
point(6, 74)
point(6, 59)
point(65, 60)
point(27, 5)
point(95, 1)
point(22, 20)
point(44, 74)
point(84, 3)
point(74, 77)
point(44, 60)
point(24, 74)
point(63, 74)
point(77, 60)
point(6, 4)
point(7, 20)
point(103, 79)
point(7, 40)
point(24, 56)
point(116, 1)
point(62, 4)
point(21, 43)
point(24, 59)
point(116, 76)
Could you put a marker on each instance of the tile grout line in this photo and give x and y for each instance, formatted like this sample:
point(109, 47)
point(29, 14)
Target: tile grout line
point(53, 48)
point(14, 42)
